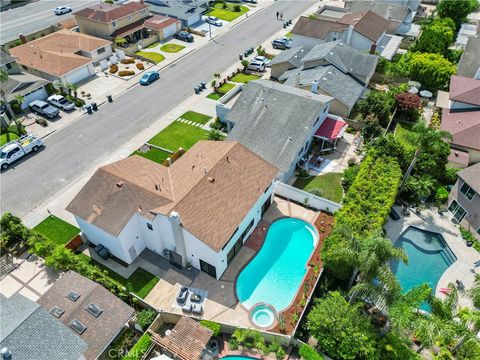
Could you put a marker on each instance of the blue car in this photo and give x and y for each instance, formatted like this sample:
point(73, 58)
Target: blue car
point(149, 77)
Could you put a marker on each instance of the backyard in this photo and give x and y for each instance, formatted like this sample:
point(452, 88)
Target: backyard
point(154, 56)
point(56, 230)
point(244, 78)
point(328, 186)
point(172, 48)
point(222, 90)
point(403, 132)
point(228, 14)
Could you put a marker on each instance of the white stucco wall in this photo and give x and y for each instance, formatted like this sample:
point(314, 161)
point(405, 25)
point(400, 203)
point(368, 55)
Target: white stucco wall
point(96, 57)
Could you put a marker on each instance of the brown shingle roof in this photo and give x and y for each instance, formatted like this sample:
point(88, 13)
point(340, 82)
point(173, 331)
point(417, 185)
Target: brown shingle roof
point(211, 187)
point(464, 127)
point(100, 330)
point(465, 90)
point(57, 53)
point(371, 25)
point(107, 13)
point(316, 28)
point(471, 176)
point(159, 22)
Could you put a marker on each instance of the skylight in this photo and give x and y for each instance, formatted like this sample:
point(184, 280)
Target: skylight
point(94, 310)
point(73, 295)
point(57, 311)
point(78, 326)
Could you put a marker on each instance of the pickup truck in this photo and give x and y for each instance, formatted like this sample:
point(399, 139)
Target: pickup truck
point(43, 108)
point(16, 149)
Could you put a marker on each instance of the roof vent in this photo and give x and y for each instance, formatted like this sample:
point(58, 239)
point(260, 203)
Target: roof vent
point(157, 187)
point(205, 169)
point(57, 311)
point(289, 138)
point(6, 354)
point(73, 295)
point(94, 310)
point(456, 154)
point(119, 184)
point(78, 326)
point(228, 159)
point(193, 167)
point(211, 179)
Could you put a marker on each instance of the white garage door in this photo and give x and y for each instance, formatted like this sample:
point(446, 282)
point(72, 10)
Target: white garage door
point(78, 75)
point(170, 30)
point(38, 94)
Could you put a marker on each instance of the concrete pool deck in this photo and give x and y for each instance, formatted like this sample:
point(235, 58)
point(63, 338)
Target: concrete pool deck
point(468, 259)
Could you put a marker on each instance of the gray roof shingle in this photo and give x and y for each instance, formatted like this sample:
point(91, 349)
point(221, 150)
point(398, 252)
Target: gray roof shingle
point(469, 63)
point(471, 176)
point(398, 12)
point(293, 56)
point(179, 9)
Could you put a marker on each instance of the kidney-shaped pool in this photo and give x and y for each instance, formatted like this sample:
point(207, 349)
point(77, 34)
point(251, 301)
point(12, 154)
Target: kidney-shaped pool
point(275, 274)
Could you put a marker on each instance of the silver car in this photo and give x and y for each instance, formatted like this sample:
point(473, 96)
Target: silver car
point(42, 108)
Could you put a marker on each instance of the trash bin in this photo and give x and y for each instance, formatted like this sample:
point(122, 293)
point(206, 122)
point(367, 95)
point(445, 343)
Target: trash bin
point(245, 54)
point(94, 106)
point(203, 85)
point(109, 98)
point(240, 57)
point(88, 107)
point(197, 91)
point(284, 25)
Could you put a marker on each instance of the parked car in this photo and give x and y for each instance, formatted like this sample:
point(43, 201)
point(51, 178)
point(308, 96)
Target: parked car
point(256, 65)
point(60, 10)
point(282, 43)
point(60, 102)
point(214, 21)
point(262, 59)
point(42, 108)
point(16, 149)
point(149, 77)
point(184, 36)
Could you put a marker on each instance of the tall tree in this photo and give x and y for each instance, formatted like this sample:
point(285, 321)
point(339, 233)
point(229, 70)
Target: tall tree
point(4, 78)
point(436, 36)
point(432, 70)
point(457, 10)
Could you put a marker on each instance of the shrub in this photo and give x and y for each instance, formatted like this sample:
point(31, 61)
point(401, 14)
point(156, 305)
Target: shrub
point(309, 353)
point(349, 175)
point(126, 73)
point(441, 195)
point(145, 318)
point(113, 69)
point(16, 107)
point(50, 89)
point(140, 66)
point(431, 70)
point(139, 349)
point(237, 8)
point(128, 61)
point(41, 122)
point(277, 349)
point(233, 344)
point(450, 176)
point(218, 125)
point(407, 101)
point(435, 121)
point(316, 192)
point(212, 325)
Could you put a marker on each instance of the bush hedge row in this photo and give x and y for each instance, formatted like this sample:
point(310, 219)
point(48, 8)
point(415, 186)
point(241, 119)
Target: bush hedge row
point(142, 345)
point(309, 353)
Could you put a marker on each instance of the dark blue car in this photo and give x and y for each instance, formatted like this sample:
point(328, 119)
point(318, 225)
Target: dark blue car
point(149, 77)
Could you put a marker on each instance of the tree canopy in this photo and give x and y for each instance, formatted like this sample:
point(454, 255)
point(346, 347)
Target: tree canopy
point(436, 37)
point(457, 10)
point(431, 70)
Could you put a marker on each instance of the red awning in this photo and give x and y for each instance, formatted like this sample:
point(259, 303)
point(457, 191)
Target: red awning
point(331, 129)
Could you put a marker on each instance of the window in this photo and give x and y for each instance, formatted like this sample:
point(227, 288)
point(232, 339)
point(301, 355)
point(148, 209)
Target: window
point(94, 310)
point(457, 210)
point(78, 326)
point(24, 67)
point(467, 191)
point(149, 226)
point(114, 23)
point(207, 268)
point(73, 295)
point(57, 311)
point(101, 51)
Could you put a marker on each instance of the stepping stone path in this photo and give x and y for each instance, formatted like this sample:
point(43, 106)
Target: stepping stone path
point(190, 122)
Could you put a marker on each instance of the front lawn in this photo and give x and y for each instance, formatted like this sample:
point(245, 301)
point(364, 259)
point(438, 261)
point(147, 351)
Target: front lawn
point(3, 138)
point(196, 117)
point(155, 57)
point(56, 230)
point(178, 135)
point(244, 78)
point(172, 48)
point(329, 185)
point(403, 132)
point(227, 14)
point(222, 90)
point(154, 154)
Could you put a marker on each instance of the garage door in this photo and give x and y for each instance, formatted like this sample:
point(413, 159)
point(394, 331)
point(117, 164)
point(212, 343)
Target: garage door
point(169, 31)
point(194, 19)
point(38, 94)
point(78, 75)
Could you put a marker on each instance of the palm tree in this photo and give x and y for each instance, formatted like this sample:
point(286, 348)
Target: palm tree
point(474, 292)
point(424, 137)
point(74, 88)
point(120, 41)
point(215, 135)
point(4, 78)
point(60, 85)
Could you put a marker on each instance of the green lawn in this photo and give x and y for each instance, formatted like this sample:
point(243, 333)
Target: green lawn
point(196, 117)
point(402, 132)
point(172, 48)
point(3, 138)
point(178, 135)
point(227, 14)
point(157, 155)
point(244, 78)
point(56, 230)
point(222, 90)
point(151, 46)
point(329, 184)
point(155, 57)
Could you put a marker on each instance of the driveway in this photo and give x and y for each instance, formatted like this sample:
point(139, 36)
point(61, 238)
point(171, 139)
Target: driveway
point(204, 27)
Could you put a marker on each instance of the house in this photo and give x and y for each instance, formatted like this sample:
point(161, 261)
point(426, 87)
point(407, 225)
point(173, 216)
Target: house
point(198, 211)
point(277, 122)
point(90, 310)
point(469, 64)
point(189, 12)
point(464, 199)
point(363, 31)
point(331, 68)
point(461, 118)
point(64, 55)
point(131, 21)
point(29, 331)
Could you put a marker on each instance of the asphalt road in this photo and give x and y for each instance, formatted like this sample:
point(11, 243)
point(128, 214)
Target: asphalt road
point(88, 142)
point(35, 16)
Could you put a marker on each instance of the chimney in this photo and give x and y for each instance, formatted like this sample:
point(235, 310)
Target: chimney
point(297, 79)
point(349, 34)
point(373, 49)
point(388, 13)
point(205, 170)
point(119, 184)
point(315, 86)
point(178, 237)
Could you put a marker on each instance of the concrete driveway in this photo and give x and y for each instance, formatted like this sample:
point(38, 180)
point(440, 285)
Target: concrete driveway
point(204, 27)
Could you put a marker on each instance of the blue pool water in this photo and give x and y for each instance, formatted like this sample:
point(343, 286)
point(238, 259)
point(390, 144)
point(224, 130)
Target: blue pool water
point(276, 272)
point(428, 258)
point(235, 357)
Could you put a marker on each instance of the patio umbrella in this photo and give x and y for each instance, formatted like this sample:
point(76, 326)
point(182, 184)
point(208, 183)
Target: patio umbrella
point(426, 94)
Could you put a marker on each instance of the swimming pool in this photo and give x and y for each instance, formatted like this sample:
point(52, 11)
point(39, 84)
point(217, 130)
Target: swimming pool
point(238, 357)
point(428, 258)
point(276, 272)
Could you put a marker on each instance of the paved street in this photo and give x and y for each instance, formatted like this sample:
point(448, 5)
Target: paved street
point(89, 141)
point(35, 16)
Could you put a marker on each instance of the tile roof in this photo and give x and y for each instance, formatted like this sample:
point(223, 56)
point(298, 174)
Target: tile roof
point(469, 64)
point(471, 176)
point(57, 53)
point(316, 28)
point(465, 90)
point(5, 58)
point(464, 127)
point(31, 332)
point(159, 22)
point(100, 330)
point(370, 25)
point(459, 157)
point(137, 185)
point(128, 29)
point(107, 13)
point(274, 120)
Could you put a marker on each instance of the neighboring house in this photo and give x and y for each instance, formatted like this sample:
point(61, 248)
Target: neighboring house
point(277, 122)
point(469, 64)
point(29, 331)
point(461, 118)
point(93, 312)
point(64, 55)
point(362, 31)
point(189, 12)
point(7, 63)
point(199, 210)
point(332, 69)
point(131, 21)
point(464, 199)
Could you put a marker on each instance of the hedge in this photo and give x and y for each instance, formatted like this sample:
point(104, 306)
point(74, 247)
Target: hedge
point(142, 345)
point(212, 325)
point(309, 353)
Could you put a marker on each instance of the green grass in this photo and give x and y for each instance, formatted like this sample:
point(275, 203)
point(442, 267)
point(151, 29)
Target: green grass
point(56, 230)
point(329, 184)
point(3, 138)
point(155, 57)
point(222, 90)
point(227, 14)
point(244, 78)
point(196, 117)
point(172, 48)
point(157, 155)
point(402, 133)
point(151, 46)
point(178, 135)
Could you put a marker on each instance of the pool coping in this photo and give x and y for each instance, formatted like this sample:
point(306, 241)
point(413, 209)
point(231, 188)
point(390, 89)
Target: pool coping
point(271, 307)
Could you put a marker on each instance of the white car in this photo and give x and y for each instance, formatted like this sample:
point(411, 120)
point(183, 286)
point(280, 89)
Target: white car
point(214, 21)
point(17, 149)
point(256, 66)
point(60, 102)
point(60, 10)
point(262, 59)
